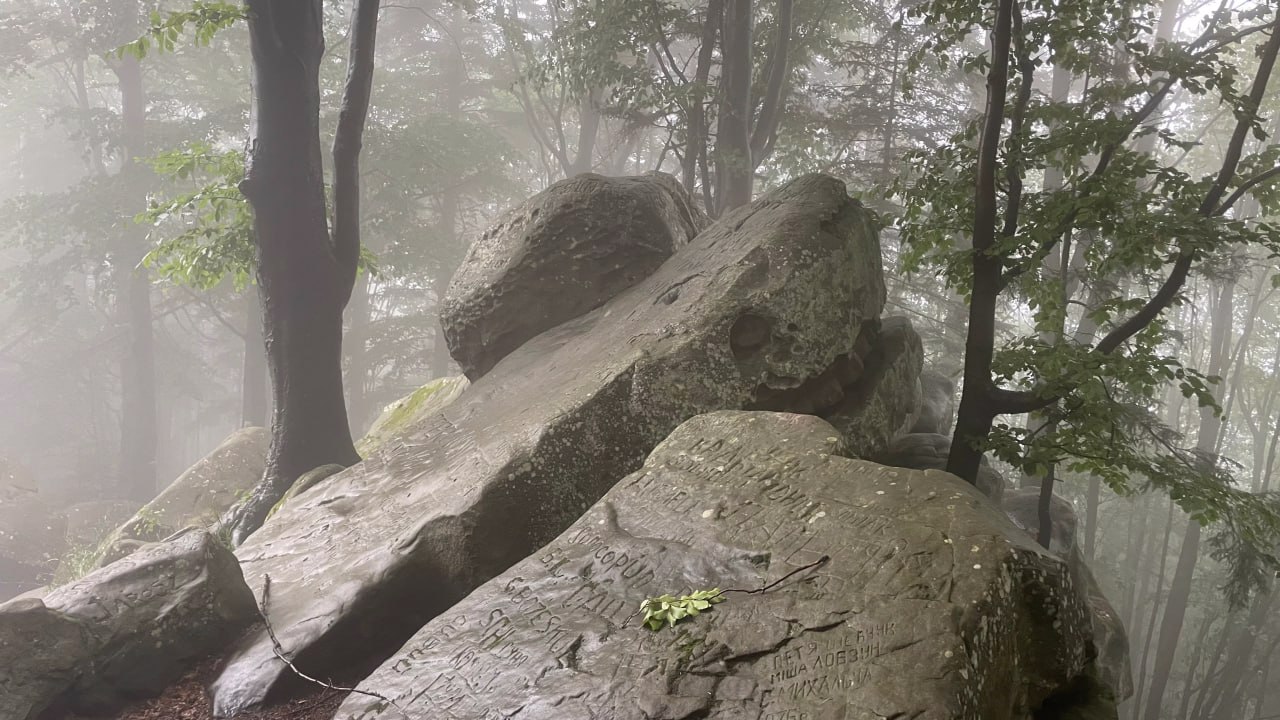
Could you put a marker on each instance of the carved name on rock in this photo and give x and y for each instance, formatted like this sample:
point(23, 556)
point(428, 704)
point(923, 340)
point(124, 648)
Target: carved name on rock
point(126, 630)
point(198, 497)
point(561, 253)
point(930, 605)
point(766, 299)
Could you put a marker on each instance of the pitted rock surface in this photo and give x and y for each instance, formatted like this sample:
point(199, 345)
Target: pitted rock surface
point(198, 497)
point(563, 252)
point(931, 604)
point(765, 299)
point(126, 630)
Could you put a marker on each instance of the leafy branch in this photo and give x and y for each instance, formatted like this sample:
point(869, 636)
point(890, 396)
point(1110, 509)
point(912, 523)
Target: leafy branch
point(669, 610)
point(206, 17)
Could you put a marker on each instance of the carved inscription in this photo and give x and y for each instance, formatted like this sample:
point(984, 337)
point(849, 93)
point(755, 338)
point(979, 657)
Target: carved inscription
point(825, 667)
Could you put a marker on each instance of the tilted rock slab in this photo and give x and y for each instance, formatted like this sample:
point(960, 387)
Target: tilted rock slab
point(769, 296)
point(931, 605)
point(124, 631)
point(561, 253)
point(198, 497)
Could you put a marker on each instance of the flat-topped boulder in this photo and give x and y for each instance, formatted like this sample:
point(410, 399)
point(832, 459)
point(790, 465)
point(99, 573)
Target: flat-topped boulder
point(561, 253)
point(854, 590)
point(760, 303)
point(124, 631)
point(198, 497)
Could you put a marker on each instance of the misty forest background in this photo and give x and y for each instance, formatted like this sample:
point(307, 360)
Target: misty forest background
point(130, 332)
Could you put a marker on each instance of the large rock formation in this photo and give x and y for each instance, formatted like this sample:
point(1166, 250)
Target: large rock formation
point(937, 395)
point(758, 305)
point(561, 253)
point(1112, 673)
point(198, 497)
point(929, 603)
point(123, 631)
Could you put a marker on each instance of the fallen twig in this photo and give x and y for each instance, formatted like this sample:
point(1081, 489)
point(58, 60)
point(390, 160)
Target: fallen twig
point(280, 653)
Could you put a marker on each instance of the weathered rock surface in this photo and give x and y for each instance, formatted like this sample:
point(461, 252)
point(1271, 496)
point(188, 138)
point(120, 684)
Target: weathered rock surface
point(928, 451)
point(886, 395)
point(931, 603)
point(937, 393)
point(560, 254)
point(305, 482)
point(400, 416)
point(126, 630)
point(1111, 669)
point(41, 652)
point(760, 303)
point(198, 497)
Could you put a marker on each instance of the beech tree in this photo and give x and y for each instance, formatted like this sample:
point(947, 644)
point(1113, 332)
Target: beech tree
point(306, 267)
point(1142, 218)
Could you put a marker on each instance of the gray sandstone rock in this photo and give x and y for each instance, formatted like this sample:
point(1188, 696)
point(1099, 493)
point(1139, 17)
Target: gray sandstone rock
point(124, 631)
point(198, 497)
point(931, 605)
point(928, 451)
point(560, 254)
point(41, 652)
point(769, 297)
point(937, 393)
point(886, 395)
point(1112, 671)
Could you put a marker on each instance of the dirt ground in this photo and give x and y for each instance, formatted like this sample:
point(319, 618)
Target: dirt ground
point(186, 699)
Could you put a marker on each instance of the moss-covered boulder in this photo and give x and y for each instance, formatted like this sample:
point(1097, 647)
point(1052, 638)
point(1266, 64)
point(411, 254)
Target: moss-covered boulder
point(198, 497)
point(400, 416)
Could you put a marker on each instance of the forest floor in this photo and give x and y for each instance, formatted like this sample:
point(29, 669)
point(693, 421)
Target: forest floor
point(187, 699)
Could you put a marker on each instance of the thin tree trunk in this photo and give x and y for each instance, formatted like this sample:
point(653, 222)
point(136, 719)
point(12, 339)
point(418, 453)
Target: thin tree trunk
point(137, 369)
point(357, 341)
point(734, 174)
point(696, 133)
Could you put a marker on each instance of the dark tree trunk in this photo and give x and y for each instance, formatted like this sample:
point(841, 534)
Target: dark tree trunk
point(977, 407)
point(305, 275)
point(696, 134)
point(253, 375)
point(734, 175)
point(137, 370)
point(358, 380)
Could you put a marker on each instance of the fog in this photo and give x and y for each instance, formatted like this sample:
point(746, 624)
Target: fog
point(132, 331)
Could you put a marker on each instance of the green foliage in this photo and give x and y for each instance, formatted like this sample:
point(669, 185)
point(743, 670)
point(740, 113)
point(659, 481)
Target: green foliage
point(669, 610)
point(214, 235)
point(206, 18)
point(1096, 224)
